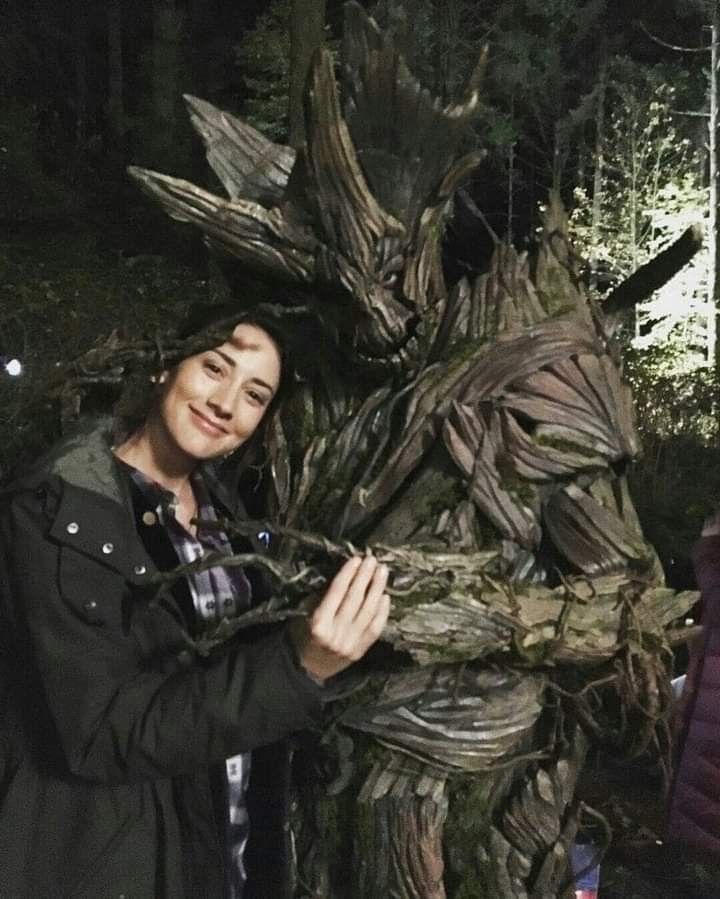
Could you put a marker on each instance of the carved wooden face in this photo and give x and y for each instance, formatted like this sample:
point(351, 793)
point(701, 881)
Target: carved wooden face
point(510, 374)
point(356, 216)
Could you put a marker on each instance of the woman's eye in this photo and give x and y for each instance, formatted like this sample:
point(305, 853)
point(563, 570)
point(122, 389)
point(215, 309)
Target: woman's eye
point(258, 398)
point(212, 367)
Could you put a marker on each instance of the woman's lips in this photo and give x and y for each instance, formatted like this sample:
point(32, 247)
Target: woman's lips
point(205, 425)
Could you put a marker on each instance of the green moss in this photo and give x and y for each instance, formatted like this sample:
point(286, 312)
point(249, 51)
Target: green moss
point(511, 481)
point(453, 493)
point(557, 308)
point(566, 446)
point(472, 888)
point(349, 831)
point(466, 828)
point(459, 351)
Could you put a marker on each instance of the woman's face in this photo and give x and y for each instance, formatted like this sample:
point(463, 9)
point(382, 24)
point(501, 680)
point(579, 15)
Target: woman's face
point(213, 402)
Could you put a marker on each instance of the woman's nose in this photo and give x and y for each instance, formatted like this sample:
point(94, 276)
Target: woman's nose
point(222, 401)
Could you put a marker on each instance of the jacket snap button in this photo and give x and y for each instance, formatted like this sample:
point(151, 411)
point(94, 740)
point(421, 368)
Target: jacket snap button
point(73, 527)
point(140, 569)
point(185, 658)
point(107, 548)
point(90, 605)
point(149, 518)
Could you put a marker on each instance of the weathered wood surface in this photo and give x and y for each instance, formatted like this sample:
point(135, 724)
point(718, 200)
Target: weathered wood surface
point(476, 436)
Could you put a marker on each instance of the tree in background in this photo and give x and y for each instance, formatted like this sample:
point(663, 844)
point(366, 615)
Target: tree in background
point(307, 31)
point(166, 61)
point(544, 64)
point(34, 118)
point(116, 115)
point(710, 10)
point(644, 186)
point(263, 56)
point(544, 59)
point(412, 25)
point(646, 190)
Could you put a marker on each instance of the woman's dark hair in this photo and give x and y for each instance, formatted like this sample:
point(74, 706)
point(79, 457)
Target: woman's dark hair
point(204, 328)
point(209, 326)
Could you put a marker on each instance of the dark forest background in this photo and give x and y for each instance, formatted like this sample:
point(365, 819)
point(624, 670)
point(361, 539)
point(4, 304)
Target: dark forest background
point(606, 102)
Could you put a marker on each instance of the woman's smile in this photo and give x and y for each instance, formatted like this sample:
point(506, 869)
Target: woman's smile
point(206, 425)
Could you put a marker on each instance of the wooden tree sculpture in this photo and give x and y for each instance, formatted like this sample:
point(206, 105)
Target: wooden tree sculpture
point(477, 439)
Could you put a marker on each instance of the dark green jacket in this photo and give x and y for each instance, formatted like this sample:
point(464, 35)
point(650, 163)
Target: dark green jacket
point(109, 725)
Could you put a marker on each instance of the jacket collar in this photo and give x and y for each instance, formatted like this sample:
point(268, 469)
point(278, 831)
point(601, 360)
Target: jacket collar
point(95, 511)
point(85, 460)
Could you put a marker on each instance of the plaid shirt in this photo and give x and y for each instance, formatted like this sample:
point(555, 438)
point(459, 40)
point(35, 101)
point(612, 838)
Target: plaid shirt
point(216, 593)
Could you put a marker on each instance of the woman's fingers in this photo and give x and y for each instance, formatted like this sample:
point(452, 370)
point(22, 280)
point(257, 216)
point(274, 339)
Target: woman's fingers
point(348, 589)
point(339, 586)
point(349, 619)
point(367, 609)
point(380, 619)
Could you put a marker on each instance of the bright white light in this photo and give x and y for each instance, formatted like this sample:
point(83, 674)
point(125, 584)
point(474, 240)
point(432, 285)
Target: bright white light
point(14, 367)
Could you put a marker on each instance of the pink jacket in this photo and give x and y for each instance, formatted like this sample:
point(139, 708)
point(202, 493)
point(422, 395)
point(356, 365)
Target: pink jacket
point(694, 812)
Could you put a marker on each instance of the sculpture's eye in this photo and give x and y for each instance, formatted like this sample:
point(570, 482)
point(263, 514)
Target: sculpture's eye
point(390, 279)
point(390, 265)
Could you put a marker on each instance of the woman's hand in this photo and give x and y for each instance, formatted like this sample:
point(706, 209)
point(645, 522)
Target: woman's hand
point(348, 620)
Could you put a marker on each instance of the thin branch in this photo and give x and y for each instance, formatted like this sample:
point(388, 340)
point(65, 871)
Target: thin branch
point(165, 579)
point(690, 113)
point(668, 46)
point(478, 213)
point(599, 853)
point(314, 541)
point(592, 685)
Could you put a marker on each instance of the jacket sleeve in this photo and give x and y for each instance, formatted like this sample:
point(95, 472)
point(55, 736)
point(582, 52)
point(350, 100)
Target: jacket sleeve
point(117, 718)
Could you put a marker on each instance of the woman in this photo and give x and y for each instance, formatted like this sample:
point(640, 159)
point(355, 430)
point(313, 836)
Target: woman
point(125, 757)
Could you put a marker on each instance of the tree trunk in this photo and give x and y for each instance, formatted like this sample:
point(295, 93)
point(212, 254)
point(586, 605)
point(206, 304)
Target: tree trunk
point(307, 24)
point(597, 197)
point(558, 159)
point(81, 85)
point(714, 172)
point(511, 182)
point(167, 58)
point(115, 101)
point(406, 23)
point(634, 212)
point(448, 35)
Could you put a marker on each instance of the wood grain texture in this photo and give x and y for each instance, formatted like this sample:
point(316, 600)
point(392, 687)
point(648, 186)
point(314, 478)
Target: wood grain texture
point(475, 436)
